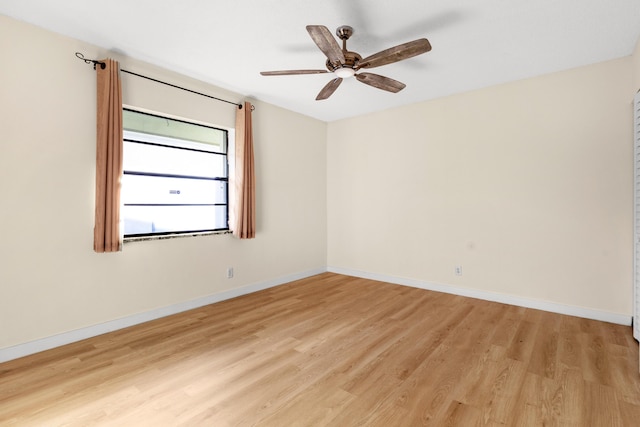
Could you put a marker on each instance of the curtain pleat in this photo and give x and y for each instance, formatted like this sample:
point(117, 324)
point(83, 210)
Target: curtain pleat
point(243, 214)
point(107, 236)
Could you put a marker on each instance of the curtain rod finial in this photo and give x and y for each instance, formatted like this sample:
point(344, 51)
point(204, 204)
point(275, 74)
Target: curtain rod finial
point(91, 61)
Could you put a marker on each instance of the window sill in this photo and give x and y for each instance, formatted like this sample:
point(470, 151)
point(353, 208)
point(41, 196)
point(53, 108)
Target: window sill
point(174, 236)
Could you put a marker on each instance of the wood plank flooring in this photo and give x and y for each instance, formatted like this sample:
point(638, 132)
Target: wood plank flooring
point(334, 350)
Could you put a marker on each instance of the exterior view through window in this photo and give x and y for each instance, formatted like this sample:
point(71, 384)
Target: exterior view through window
point(175, 176)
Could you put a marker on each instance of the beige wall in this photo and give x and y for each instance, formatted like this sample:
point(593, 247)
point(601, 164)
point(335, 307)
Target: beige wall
point(51, 281)
point(636, 67)
point(526, 185)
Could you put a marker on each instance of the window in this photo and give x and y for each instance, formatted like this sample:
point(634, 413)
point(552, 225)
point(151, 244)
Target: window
point(175, 176)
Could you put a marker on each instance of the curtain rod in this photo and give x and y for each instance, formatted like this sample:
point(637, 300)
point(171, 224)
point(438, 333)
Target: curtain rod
point(103, 66)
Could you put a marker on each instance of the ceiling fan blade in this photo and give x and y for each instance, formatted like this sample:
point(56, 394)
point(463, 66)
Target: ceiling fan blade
point(329, 88)
point(396, 53)
point(381, 82)
point(291, 72)
point(323, 38)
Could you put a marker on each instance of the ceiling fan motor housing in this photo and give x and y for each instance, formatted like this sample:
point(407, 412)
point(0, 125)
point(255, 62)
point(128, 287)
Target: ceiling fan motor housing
point(351, 60)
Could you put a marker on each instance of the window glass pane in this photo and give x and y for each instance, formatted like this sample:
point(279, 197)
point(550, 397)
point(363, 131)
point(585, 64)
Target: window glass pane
point(175, 176)
point(139, 157)
point(140, 189)
point(167, 219)
point(162, 126)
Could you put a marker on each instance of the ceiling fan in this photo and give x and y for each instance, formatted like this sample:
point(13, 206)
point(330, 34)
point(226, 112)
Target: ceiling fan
point(344, 64)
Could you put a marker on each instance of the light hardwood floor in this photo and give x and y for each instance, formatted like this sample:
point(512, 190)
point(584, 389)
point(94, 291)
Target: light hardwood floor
point(333, 350)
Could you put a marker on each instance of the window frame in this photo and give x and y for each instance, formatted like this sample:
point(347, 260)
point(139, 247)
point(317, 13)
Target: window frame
point(189, 145)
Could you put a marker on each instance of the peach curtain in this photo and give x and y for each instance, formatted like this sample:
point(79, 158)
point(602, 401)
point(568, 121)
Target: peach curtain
point(106, 234)
point(243, 212)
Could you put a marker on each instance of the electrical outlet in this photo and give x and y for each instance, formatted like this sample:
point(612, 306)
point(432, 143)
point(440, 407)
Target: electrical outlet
point(458, 270)
point(230, 273)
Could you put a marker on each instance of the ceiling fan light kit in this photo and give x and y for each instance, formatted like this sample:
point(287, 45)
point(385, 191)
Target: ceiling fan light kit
point(344, 72)
point(344, 64)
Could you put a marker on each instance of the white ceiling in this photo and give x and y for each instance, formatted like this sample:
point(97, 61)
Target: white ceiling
point(227, 43)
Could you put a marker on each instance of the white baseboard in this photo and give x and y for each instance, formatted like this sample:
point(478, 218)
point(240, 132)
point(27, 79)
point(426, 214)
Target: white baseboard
point(570, 310)
point(20, 350)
